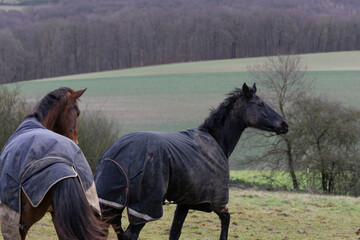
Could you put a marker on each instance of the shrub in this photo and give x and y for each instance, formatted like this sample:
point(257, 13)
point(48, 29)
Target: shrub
point(13, 110)
point(96, 134)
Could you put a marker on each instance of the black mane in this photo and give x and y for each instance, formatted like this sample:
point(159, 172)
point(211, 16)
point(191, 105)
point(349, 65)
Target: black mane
point(217, 116)
point(43, 107)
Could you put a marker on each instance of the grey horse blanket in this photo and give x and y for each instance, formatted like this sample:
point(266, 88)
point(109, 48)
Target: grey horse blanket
point(142, 169)
point(34, 159)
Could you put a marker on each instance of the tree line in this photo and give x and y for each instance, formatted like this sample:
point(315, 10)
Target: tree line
point(71, 37)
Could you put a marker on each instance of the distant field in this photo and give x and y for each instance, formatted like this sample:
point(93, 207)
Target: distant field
point(334, 61)
point(175, 97)
point(11, 2)
point(254, 215)
point(9, 7)
point(20, 5)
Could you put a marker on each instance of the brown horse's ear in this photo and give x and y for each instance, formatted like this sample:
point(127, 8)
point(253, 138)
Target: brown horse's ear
point(77, 94)
point(246, 91)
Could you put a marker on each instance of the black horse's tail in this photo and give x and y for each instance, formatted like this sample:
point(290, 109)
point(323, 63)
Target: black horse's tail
point(73, 217)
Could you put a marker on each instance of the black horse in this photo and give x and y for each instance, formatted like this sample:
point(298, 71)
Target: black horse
point(190, 168)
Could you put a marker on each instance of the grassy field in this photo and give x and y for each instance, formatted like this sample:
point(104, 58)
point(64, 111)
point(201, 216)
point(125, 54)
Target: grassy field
point(175, 97)
point(262, 179)
point(255, 215)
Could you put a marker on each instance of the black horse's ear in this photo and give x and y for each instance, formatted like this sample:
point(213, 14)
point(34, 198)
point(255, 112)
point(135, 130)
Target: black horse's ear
point(254, 87)
point(246, 91)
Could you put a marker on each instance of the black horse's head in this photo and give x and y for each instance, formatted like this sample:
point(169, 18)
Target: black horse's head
point(259, 114)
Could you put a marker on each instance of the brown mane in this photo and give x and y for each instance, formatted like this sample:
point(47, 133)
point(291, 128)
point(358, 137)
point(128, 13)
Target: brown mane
point(56, 98)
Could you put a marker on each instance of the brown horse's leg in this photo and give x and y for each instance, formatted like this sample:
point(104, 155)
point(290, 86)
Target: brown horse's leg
point(224, 216)
point(30, 214)
point(178, 221)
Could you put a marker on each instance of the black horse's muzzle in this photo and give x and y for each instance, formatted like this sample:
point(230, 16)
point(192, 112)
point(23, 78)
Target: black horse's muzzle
point(283, 128)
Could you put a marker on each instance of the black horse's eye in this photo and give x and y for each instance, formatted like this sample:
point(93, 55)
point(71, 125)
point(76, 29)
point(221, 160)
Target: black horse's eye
point(261, 103)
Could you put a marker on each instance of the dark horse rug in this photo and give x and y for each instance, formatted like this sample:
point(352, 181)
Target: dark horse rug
point(142, 169)
point(34, 159)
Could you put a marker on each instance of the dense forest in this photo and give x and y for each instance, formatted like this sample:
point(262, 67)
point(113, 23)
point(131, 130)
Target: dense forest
point(69, 37)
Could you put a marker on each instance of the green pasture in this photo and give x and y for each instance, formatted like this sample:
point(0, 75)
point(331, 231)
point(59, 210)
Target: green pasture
point(254, 215)
point(275, 180)
point(175, 97)
point(261, 179)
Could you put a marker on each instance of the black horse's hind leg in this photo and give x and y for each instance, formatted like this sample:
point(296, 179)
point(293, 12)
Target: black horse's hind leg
point(225, 221)
point(133, 231)
point(182, 211)
point(178, 221)
point(113, 217)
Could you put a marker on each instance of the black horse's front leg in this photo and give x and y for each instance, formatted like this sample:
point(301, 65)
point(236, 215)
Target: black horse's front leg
point(178, 221)
point(225, 221)
point(133, 231)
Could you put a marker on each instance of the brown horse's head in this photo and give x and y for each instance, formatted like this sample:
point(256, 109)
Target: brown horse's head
point(58, 111)
point(259, 114)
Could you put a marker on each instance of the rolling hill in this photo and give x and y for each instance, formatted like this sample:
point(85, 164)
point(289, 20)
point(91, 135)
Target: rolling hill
point(175, 97)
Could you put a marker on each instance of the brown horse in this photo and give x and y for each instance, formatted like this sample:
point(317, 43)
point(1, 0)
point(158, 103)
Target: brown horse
point(190, 168)
point(54, 175)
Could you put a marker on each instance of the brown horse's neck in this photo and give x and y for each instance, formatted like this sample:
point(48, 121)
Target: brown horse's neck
point(51, 118)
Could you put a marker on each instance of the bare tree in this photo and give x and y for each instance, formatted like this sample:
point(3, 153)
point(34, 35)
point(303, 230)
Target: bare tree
point(285, 80)
point(323, 137)
point(11, 58)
